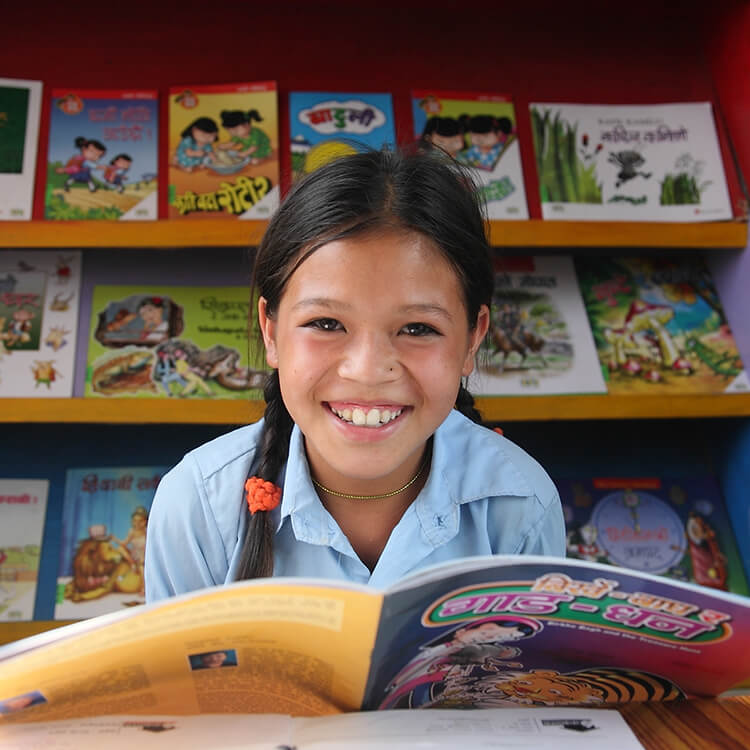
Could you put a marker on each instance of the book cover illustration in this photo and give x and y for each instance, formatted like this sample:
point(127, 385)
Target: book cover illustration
point(539, 340)
point(171, 341)
point(223, 151)
point(23, 504)
point(103, 542)
point(103, 155)
point(629, 163)
point(671, 526)
point(20, 108)
point(39, 296)
point(324, 126)
point(659, 326)
point(480, 131)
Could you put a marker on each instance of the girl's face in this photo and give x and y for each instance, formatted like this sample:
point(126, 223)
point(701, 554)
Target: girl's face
point(371, 339)
point(201, 137)
point(485, 140)
point(91, 152)
point(452, 144)
point(242, 130)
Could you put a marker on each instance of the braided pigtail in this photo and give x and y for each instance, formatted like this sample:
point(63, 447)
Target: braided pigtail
point(257, 551)
point(465, 404)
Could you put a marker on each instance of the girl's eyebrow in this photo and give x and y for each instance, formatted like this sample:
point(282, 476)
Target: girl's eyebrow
point(424, 308)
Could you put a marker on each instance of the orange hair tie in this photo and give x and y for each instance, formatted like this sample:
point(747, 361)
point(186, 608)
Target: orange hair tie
point(261, 494)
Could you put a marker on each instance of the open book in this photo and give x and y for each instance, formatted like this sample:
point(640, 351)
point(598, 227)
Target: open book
point(479, 632)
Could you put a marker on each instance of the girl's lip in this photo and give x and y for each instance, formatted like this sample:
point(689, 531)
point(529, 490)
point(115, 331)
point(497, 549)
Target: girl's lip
point(341, 405)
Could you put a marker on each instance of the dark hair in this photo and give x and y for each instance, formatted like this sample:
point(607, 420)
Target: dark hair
point(122, 156)
point(523, 625)
point(487, 124)
point(230, 118)
point(82, 142)
point(420, 190)
point(206, 124)
point(445, 126)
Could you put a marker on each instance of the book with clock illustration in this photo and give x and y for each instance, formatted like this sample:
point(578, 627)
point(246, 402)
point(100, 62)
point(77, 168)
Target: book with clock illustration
point(676, 527)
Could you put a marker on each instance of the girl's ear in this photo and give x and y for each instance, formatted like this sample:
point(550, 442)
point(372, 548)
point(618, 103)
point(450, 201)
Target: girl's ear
point(268, 329)
point(476, 336)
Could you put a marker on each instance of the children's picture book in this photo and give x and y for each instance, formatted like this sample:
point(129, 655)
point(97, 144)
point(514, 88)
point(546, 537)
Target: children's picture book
point(103, 541)
point(478, 632)
point(23, 505)
point(20, 109)
point(324, 126)
point(39, 296)
point(103, 155)
point(171, 341)
point(671, 526)
point(481, 132)
point(561, 728)
point(659, 326)
point(223, 151)
point(657, 162)
point(539, 340)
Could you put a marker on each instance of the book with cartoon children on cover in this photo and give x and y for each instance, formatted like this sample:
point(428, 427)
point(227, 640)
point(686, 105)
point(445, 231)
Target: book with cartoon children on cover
point(23, 506)
point(20, 108)
point(102, 161)
point(674, 526)
point(39, 296)
point(480, 632)
point(103, 540)
point(480, 131)
point(659, 325)
point(539, 340)
point(656, 162)
point(324, 126)
point(223, 151)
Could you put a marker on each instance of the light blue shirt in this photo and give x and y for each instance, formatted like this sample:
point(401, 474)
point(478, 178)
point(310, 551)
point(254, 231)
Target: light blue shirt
point(484, 496)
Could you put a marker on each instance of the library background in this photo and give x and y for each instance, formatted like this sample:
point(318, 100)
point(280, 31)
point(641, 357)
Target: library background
point(681, 452)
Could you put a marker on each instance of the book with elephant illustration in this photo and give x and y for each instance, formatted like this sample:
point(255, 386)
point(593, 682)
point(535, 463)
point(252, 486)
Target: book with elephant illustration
point(539, 341)
point(659, 325)
point(154, 341)
point(657, 162)
point(479, 632)
point(103, 540)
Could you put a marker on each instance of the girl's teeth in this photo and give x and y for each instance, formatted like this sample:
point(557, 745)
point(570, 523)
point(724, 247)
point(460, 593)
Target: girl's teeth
point(358, 417)
point(371, 418)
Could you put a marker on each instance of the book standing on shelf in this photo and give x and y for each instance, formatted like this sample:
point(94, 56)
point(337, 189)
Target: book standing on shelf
point(20, 108)
point(40, 294)
point(102, 161)
point(658, 162)
point(104, 526)
point(23, 506)
point(223, 151)
point(324, 126)
point(483, 632)
point(659, 326)
point(539, 340)
point(481, 132)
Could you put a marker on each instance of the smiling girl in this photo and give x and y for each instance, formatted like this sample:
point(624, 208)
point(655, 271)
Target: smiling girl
point(373, 284)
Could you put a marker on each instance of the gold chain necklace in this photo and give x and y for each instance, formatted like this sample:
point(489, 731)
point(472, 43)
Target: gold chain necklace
point(371, 497)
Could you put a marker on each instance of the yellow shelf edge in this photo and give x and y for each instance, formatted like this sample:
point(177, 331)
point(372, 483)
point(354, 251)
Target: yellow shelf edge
point(493, 409)
point(532, 233)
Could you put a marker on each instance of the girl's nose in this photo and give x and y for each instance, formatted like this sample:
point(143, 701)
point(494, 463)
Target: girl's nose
point(370, 359)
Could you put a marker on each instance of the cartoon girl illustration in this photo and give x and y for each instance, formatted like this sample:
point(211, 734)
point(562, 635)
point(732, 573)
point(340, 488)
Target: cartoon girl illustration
point(114, 174)
point(446, 133)
point(134, 544)
point(489, 136)
point(79, 167)
point(196, 147)
point(456, 658)
point(245, 140)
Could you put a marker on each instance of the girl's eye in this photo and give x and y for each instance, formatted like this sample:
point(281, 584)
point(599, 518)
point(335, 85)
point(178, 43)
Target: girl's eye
point(418, 329)
point(325, 324)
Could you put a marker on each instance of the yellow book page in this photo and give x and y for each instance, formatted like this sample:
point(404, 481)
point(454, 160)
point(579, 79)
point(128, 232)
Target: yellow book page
point(261, 648)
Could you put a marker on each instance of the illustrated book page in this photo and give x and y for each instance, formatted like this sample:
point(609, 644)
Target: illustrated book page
point(20, 108)
point(102, 161)
point(223, 151)
point(657, 162)
point(481, 132)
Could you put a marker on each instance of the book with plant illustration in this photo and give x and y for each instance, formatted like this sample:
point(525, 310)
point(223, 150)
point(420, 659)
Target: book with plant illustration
point(223, 151)
point(659, 326)
point(324, 126)
point(539, 340)
point(480, 131)
point(102, 160)
point(658, 162)
point(20, 109)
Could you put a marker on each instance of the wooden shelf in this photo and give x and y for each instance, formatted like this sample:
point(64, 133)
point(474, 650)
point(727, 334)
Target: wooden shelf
point(533, 233)
point(494, 409)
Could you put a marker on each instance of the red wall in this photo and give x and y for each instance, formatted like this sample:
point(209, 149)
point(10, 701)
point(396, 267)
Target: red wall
point(541, 51)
